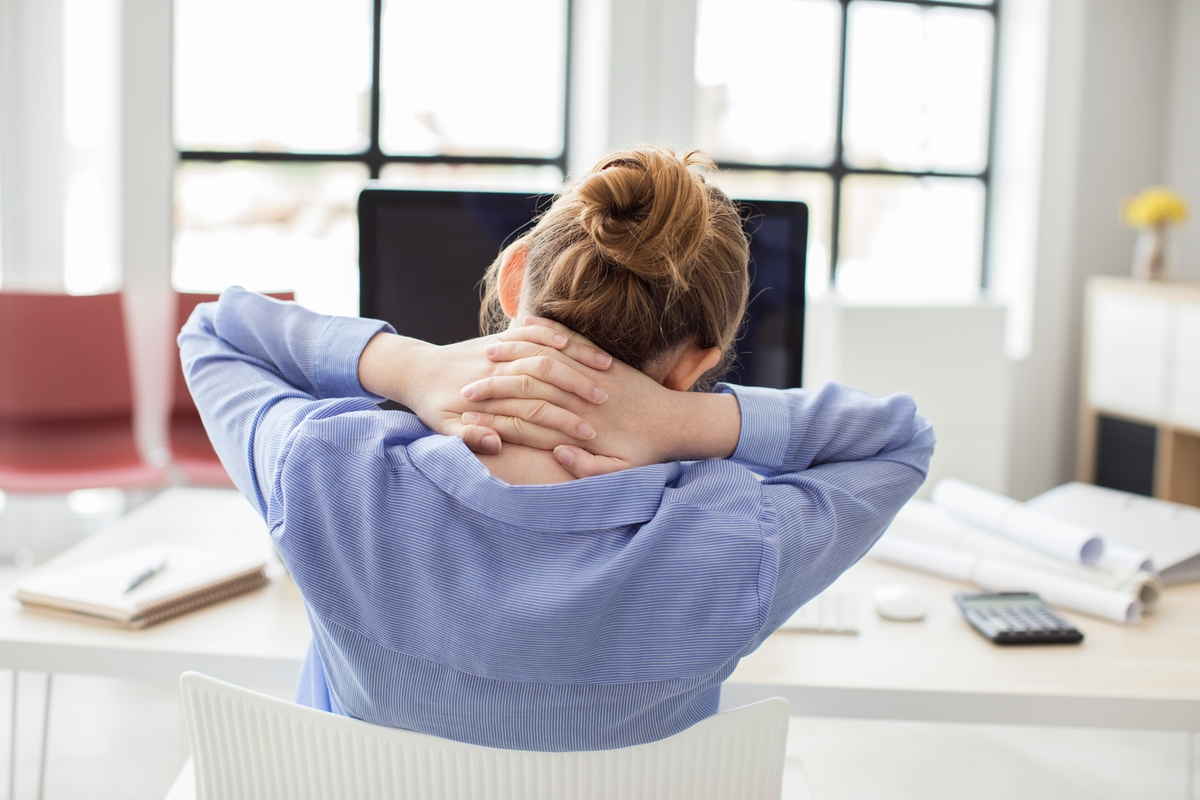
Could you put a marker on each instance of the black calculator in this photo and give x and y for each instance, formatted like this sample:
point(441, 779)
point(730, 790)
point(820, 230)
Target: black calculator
point(1016, 618)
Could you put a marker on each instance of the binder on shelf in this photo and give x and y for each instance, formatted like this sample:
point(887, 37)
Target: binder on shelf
point(1168, 532)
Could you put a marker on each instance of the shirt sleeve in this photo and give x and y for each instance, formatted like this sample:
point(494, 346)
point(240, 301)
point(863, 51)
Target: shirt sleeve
point(258, 368)
point(838, 464)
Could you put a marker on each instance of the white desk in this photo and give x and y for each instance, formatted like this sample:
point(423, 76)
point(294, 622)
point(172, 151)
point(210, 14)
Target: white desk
point(257, 639)
point(1144, 677)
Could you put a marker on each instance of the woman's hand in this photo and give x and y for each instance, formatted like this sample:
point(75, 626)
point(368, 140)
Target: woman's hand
point(429, 379)
point(642, 422)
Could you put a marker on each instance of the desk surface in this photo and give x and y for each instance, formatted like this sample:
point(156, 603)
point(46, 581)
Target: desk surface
point(257, 639)
point(1146, 676)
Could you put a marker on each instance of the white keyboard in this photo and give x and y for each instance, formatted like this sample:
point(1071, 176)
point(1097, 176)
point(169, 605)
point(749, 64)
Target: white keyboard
point(829, 612)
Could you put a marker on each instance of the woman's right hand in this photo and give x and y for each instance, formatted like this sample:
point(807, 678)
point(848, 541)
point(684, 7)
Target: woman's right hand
point(641, 422)
point(429, 378)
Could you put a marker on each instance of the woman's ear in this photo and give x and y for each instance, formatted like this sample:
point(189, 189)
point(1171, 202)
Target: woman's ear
point(693, 362)
point(512, 275)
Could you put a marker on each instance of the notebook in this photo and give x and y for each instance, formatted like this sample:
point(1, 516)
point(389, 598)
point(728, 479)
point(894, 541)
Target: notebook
point(192, 577)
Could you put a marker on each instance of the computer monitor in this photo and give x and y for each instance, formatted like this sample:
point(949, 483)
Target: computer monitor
point(423, 253)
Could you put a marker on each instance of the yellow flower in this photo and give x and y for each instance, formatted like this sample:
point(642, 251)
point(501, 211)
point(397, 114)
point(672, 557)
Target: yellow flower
point(1154, 206)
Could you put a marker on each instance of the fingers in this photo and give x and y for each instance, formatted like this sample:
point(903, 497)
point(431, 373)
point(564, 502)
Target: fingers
point(480, 439)
point(583, 464)
point(574, 347)
point(537, 412)
point(518, 431)
point(535, 377)
point(557, 327)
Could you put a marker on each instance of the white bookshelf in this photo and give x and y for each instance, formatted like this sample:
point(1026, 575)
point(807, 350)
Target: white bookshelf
point(1141, 364)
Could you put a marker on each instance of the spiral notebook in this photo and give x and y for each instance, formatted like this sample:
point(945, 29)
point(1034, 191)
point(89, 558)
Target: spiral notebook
point(191, 578)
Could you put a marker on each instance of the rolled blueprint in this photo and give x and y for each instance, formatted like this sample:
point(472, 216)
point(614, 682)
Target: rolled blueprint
point(924, 557)
point(1003, 516)
point(1005, 576)
point(926, 522)
point(1001, 576)
point(1120, 557)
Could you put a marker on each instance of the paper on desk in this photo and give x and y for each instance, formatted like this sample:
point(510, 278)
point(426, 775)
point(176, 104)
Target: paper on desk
point(925, 522)
point(1011, 519)
point(1120, 557)
point(996, 575)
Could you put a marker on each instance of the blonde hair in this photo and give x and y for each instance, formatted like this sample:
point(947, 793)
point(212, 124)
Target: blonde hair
point(641, 256)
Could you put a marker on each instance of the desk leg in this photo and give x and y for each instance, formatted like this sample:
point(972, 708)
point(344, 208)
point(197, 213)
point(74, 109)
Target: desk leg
point(45, 735)
point(1191, 743)
point(12, 742)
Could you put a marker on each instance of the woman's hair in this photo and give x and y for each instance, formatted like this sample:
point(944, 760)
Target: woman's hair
point(641, 256)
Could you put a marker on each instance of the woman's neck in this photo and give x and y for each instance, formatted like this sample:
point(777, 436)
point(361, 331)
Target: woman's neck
point(518, 465)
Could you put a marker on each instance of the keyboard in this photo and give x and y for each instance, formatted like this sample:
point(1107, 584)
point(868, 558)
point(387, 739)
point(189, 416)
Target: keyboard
point(828, 612)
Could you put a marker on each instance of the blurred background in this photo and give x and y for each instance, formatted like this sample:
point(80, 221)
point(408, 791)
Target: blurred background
point(965, 158)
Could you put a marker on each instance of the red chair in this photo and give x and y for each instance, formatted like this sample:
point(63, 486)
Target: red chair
point(66, 400)
point(191, 450)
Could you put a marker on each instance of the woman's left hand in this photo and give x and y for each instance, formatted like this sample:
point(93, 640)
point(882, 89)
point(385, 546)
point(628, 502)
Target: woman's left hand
point(429, 379)
point(643, 422)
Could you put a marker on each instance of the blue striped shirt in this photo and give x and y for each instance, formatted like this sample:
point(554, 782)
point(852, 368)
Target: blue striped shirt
point(587, 615)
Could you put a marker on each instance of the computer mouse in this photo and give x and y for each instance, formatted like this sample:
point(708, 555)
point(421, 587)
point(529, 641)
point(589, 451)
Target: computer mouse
point(901, 602)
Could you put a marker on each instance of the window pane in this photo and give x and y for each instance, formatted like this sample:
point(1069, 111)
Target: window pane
point(766, 80)
point(910, 238)
point(270, 227)
point(472, 176)
point(473, 77)
point(270, 75)
point(918, 87)
point(814, 188)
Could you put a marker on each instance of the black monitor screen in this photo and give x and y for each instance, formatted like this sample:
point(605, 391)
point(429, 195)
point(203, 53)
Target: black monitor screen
point(422, 255)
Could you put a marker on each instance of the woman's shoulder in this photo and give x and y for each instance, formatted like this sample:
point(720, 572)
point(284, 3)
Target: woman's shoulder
point(718, 485)
point(370, 432)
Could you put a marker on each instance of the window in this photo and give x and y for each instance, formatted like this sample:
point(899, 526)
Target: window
point(284, 109)
point(877, 113)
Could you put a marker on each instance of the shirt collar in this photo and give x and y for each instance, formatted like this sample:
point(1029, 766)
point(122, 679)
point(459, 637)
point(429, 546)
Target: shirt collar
point(628, 497)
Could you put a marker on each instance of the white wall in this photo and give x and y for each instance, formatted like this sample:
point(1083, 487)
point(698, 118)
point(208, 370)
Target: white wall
point(32, 143)
point(950, 358)
point(1106, 106)
point(1183, 127)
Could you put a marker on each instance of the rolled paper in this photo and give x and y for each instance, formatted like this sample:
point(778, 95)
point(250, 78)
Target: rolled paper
point(1002, 576)
point(1119, 556)
point(940, 561)
point(994, 574)
point(926, 522)
point(1003, 516)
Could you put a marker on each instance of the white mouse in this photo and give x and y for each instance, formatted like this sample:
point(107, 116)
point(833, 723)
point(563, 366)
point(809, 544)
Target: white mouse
point(901, 602)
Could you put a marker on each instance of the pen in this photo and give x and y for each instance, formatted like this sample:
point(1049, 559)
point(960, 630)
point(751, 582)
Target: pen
point(145, 575)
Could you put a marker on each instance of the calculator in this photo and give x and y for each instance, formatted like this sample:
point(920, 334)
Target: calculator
point(1016, 618)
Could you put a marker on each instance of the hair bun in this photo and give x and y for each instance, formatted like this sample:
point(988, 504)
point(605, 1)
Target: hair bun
point(646, 211)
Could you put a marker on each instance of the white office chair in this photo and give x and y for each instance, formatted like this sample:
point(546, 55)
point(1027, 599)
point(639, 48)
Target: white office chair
point(249, 745)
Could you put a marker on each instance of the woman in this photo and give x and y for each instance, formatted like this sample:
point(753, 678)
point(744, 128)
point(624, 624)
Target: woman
point(493, 598)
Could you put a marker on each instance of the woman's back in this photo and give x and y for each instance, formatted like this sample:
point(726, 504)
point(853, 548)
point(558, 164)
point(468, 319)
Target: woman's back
point(493, 600)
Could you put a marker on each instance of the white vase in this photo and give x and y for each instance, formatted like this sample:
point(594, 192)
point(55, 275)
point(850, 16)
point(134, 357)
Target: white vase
point(1153, 255)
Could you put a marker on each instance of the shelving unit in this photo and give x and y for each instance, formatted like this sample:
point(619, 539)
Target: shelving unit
point(1140, 416)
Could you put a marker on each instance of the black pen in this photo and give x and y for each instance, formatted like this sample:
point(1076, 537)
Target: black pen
point(145, 575)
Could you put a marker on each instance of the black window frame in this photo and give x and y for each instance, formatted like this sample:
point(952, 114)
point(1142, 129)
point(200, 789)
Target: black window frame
point(838, 170)
point(374, 158)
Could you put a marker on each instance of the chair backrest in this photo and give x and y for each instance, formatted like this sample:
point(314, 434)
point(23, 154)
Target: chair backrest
point(248, 745)
point(185, 303)
point(63, 357)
